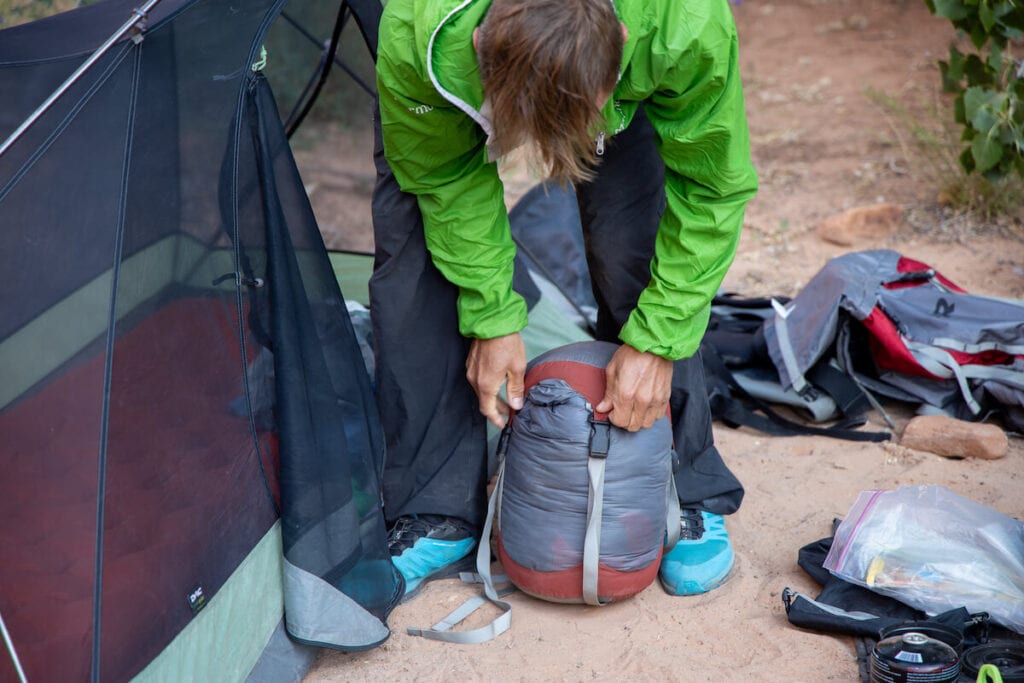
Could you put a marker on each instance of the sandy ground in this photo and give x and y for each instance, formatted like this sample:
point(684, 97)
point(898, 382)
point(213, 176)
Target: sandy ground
point(821, 146)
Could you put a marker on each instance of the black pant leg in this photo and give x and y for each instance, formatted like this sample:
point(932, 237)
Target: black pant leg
point(436, 438)
point(703, 480)
point(620, 210)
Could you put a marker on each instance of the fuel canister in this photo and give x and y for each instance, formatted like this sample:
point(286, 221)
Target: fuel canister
point(914, 658)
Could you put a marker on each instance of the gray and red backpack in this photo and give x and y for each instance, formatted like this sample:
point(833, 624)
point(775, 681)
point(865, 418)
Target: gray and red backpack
point(869, 324)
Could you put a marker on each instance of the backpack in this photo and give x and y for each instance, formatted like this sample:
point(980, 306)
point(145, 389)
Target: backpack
point(900, 329)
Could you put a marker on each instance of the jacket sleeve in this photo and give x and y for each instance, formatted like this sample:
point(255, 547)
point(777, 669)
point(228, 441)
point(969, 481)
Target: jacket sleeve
point(701, 130)
point(438, 153)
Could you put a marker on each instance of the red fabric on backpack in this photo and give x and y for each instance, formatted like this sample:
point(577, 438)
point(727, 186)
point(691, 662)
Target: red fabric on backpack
point(887, 347)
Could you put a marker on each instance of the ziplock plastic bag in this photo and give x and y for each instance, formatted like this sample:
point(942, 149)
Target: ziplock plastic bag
point(933, 550)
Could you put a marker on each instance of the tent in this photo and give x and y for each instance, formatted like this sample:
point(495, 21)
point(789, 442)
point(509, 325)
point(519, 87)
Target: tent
point(189, 452)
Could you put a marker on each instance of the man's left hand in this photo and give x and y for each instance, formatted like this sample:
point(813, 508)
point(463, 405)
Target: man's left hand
point(638, 388)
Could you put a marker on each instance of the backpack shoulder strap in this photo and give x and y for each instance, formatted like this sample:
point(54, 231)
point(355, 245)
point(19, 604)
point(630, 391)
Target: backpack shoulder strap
point(735, 413)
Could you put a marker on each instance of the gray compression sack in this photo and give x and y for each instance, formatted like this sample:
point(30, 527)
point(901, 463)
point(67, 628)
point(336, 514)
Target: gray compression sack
point(581, 501)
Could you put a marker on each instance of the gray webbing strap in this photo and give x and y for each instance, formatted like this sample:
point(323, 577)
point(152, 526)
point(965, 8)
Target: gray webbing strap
point(941, 364)
point(600, 442)
point(442, 630)
point(957, 345)
point(796, 378)
point(672, 523)
point(999, 373)
point(592, 540)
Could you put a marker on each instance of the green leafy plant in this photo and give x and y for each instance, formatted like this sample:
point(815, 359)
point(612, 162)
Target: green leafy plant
point(988, 83)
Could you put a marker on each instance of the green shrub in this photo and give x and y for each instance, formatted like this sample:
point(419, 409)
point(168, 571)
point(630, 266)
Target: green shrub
point(988, 83)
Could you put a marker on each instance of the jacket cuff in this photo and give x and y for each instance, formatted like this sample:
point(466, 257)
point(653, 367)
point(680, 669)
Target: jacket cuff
point(669, 338)
point(487, 317)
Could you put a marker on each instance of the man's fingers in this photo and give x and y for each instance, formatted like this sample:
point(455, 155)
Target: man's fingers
point(634, 421)
point(654, 412)
point(624, 417)
point(495, 410)
point(514, 390)
point(632, 416)
point(491, 363)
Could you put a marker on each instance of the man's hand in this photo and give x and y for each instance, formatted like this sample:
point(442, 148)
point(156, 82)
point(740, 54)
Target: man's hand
point(491, 363)
point(637, 390)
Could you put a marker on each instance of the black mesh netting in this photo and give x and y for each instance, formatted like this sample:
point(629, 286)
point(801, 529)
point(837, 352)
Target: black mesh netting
point(177, 369)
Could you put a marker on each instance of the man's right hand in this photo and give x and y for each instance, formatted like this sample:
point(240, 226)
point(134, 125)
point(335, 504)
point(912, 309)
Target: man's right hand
point(491, 363)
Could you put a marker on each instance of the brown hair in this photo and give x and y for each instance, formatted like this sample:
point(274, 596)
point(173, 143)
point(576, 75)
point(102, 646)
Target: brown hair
point(544, 64)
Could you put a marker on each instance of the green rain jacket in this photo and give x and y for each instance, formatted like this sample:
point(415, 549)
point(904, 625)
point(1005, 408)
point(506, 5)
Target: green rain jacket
point(680, 60)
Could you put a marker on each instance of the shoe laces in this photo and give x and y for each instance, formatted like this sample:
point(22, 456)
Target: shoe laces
point(691, 525)
point(407, 530)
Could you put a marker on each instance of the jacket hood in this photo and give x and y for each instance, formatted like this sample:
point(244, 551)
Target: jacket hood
point(445, 29)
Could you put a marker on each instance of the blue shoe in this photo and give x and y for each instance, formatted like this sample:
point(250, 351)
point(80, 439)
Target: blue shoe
point(427, 547)
point(703, 557)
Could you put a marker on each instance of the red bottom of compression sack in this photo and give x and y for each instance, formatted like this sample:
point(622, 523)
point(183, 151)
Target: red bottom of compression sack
point(564, 585)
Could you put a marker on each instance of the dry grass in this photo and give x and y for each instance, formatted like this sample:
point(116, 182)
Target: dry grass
point(923, 127)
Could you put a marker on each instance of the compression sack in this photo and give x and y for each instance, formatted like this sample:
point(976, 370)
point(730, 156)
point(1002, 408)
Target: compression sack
point(582, 506)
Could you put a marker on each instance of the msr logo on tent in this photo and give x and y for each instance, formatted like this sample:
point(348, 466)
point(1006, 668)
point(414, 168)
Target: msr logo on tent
point(422, 109)
point(197, 599)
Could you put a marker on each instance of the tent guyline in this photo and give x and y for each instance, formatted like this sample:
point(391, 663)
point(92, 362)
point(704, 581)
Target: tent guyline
point(136, 21)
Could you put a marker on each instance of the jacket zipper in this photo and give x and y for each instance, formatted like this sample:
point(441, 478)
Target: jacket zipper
point(600, 144)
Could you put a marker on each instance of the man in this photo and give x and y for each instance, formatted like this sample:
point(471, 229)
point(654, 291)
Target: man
point(639, 105)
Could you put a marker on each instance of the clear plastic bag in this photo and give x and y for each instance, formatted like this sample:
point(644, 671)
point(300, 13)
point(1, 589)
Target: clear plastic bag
point(933, 550)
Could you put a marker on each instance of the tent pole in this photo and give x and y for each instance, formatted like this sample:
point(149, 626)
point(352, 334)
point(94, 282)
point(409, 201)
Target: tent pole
point(138, 15)
point(10, 648)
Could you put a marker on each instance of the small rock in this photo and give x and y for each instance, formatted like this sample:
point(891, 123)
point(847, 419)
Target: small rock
point(954, 438)
point(861, 224)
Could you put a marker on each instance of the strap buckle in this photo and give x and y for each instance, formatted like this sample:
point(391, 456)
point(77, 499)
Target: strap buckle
point(600, 437)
